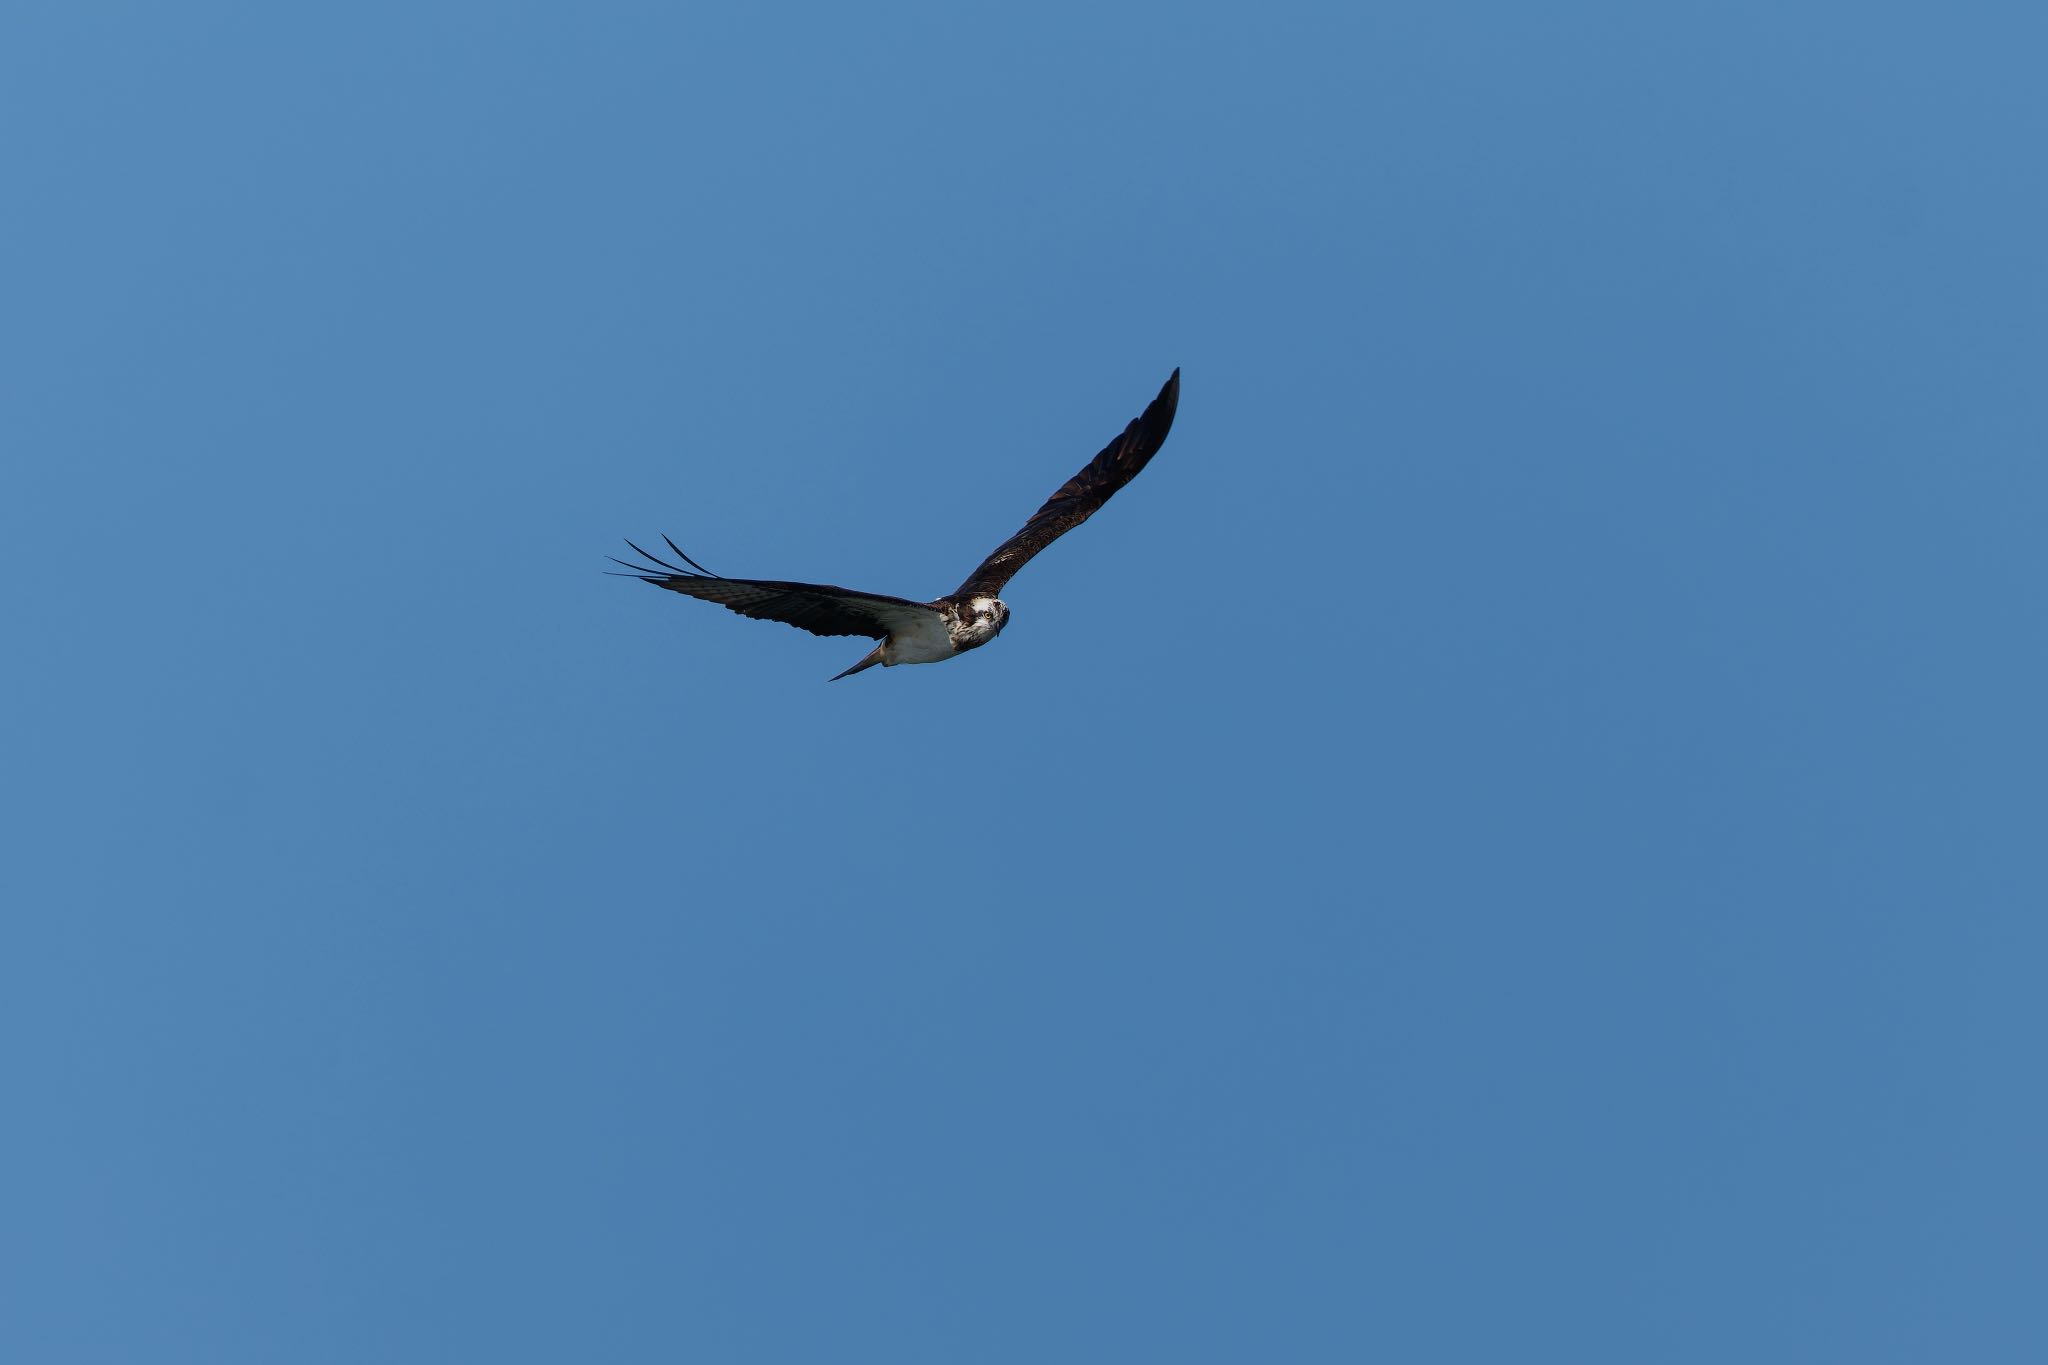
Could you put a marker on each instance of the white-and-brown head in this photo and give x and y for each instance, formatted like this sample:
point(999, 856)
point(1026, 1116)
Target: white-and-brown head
point(976, 621)
point(992, 609)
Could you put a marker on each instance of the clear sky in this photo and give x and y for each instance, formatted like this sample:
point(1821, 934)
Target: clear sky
point(1519, 837)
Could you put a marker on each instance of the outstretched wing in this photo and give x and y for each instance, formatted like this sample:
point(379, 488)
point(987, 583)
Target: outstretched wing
point(1081, 496)
point(816, 607)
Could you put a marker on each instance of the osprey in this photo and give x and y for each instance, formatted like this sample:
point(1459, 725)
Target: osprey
point(946, 627)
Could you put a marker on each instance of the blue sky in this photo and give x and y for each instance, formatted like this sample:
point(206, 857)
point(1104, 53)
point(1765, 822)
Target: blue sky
point(1518, 837)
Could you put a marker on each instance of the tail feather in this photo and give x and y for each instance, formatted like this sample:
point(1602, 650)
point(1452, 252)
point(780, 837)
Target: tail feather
point(874, 657)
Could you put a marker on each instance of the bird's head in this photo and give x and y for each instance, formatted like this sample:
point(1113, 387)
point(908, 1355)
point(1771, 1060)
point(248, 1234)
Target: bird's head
point(990, 616)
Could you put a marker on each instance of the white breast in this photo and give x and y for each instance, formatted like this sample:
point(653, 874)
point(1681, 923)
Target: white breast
point(924, 640)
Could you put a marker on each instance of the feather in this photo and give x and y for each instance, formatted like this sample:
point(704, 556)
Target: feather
point(1080, 497)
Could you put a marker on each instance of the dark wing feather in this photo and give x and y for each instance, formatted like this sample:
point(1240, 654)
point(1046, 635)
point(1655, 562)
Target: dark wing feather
point(1081, 496)
point(818, 608)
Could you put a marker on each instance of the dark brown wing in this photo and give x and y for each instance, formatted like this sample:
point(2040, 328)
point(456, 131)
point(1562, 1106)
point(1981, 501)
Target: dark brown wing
point(816, 607)
point(1081, 496)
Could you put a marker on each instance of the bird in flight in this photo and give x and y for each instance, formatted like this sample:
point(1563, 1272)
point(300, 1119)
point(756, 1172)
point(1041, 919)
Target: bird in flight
point(946, 627)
